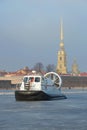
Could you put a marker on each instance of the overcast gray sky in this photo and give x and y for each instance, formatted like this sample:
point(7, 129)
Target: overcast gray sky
point(30, 32)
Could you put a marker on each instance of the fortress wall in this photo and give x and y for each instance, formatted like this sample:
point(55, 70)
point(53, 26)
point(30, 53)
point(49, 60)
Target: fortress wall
point(10, 82)
point(74, 81)
point(14, 79)
point(5, 84)
point(68, 81)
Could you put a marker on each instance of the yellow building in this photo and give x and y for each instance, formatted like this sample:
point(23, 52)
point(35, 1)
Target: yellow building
point(61, 63)
point(75, 70)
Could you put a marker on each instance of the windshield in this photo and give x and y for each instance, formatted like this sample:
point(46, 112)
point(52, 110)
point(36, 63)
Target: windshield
point(37, 79)
point(32, 79)
point(25, 79)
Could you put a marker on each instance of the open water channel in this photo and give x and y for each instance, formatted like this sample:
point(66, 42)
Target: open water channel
point(66, 114)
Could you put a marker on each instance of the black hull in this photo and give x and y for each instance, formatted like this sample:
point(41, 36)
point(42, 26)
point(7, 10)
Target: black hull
point(35, 96)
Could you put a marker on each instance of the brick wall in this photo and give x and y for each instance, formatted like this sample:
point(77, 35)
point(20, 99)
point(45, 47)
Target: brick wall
point(74, 81)
point(5, 84)
point(68, 82)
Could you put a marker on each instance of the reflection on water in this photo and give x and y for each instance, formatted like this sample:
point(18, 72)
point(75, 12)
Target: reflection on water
point(67, 114)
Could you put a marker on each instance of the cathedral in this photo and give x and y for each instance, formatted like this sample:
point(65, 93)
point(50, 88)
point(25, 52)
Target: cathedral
point(61, 63)
point(62, 59)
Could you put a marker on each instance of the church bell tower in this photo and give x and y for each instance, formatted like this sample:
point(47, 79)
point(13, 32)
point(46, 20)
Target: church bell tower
point(61, 63)
point(75, 70)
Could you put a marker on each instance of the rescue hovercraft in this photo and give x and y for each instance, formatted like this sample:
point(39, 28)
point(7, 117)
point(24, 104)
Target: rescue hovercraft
point(36, 87)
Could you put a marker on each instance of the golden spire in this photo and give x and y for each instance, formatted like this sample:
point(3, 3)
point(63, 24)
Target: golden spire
point(61, 35)
point(62, 63)
point(61, 30)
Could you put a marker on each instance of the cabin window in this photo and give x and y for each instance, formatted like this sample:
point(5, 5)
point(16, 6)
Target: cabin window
point(37, 79)
point(25, 79)
point(31, 79)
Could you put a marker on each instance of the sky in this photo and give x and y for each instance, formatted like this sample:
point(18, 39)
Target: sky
point(30, 32)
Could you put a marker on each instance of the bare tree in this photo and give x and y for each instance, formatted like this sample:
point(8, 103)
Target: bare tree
point(38, 67)
point(50, 68)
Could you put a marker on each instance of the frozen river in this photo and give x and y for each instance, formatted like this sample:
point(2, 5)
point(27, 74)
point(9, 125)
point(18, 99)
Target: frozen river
point(66, 114)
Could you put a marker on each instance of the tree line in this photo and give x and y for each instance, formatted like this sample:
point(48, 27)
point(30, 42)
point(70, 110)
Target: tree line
point(39, 67)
